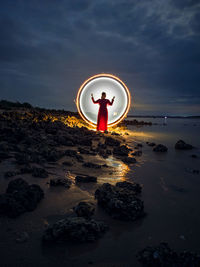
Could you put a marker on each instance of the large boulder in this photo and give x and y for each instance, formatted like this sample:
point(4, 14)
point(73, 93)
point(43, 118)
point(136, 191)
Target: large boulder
point(19, 198)
point(182, 145)
point(77, 229)
point(120, 201)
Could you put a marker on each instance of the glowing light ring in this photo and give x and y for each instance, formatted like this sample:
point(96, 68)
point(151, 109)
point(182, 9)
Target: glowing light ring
point(93, 78)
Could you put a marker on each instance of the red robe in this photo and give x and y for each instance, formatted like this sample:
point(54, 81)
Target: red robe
point(102, 119)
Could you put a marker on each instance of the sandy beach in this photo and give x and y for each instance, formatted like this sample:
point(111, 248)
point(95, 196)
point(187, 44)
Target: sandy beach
point(42, 143)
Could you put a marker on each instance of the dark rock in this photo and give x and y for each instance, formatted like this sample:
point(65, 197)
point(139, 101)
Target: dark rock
point(61, 182)
point(120, 201)
point(79, 158)
point(84, 209)
point(85, 179)
point(112, 142)
point(19, 198)
point(163, 255)
point(137, 188)
point(91, 165)
point(77, 229)
point(70, 153)
point(67, 163)
point(114, 133)
point(160, 148)
point(194, 156)
point(137, 153)
point(121, 150)
point(39, 172)
point(129, 160)
point(151, 144)
point(182, 145)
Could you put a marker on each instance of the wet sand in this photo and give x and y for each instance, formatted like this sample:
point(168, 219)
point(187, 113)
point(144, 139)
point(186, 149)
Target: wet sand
point(170, 194)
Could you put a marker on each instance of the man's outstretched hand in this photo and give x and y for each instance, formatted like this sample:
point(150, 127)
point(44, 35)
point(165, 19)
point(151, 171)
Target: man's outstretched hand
point(91, 95)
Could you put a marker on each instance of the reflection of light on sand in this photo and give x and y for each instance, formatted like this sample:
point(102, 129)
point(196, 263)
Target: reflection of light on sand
point(117, 174)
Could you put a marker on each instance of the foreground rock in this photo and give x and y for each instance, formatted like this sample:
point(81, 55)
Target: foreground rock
point(163, 255)
point(84, 209)
point(19, 198)
point(160, 148)
point(85, 179)
point(61, 182)
point(182, 145)
point(77, 229)
point(120, 201)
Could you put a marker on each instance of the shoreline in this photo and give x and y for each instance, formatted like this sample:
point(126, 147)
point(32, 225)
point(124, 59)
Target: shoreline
point(59, 201)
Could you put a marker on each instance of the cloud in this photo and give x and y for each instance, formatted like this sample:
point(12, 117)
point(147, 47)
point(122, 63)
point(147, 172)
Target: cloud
point(48, 49)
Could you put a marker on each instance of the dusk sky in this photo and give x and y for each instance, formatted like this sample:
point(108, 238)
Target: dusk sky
point(48, 48)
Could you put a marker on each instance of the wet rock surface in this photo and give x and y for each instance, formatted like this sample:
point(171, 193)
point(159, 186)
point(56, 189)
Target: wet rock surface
point(19, 198)
point(76, 229)
point(84, 209)
point(120, 201)
point(181, 145)
point(163, 256)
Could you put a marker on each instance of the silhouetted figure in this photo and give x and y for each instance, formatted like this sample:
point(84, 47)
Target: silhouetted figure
point(102, 119)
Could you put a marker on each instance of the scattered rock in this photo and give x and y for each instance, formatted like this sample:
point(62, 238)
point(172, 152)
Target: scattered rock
point(151, 144)
point(19, 198)
point(77, 229)
point(137, 153)
point(160, 148)
point(39, 172)
point(85, 179)
point(181, 145)
point(129, 160)
point(163, 255)
point(70, 153)
point(121, 150)
point(111, 141)
point(194, 156)
point(84, 209)
point(91, 165)
point(120, 201)
point(61, 182)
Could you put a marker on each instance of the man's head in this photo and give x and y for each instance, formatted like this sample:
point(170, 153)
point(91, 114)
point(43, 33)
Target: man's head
point(103, 95)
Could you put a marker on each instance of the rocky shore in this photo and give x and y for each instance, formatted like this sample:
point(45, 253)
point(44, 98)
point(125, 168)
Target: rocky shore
point(44, 151)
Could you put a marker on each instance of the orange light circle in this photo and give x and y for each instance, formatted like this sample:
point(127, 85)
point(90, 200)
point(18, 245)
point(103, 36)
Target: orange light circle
point(97, 76)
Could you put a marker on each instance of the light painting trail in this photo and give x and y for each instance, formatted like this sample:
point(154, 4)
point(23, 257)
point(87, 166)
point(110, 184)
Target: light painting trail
point(112, 86)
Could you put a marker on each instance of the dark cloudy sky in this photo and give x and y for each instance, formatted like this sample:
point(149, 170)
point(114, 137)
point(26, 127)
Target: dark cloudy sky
point(49, 47)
